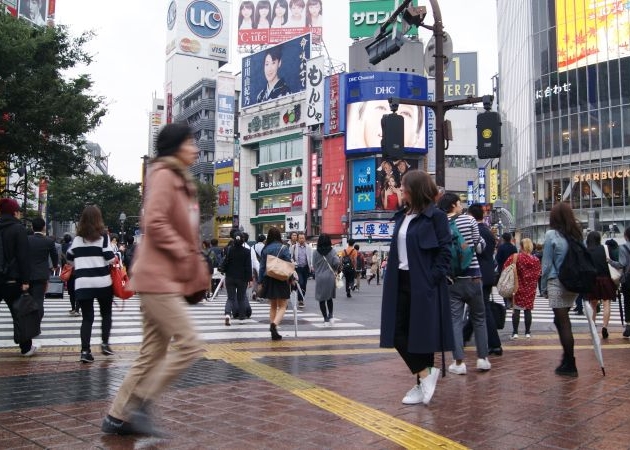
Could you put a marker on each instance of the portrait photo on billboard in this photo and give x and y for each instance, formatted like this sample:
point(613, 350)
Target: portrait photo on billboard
point(275, 72)
point(263, 22)
point(364, 133)
point(389, 173)
point(34, 11)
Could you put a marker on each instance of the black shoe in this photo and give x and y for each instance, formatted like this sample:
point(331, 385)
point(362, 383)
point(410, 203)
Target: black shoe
point(142, 423)
point(86, 357)
point(626, 332)
point(275, 336)
point(579, 312)
point(106, 350)
point(111, 425)
point(605, 332)
point(567, 368)
point(348, 294)
point(496, 351)
point(300, 304)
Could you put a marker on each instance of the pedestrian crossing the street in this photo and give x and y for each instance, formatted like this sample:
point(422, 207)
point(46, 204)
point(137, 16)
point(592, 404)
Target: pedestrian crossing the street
point(59, 328)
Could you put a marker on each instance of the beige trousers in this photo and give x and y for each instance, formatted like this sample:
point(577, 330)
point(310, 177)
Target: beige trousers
point(165, 317)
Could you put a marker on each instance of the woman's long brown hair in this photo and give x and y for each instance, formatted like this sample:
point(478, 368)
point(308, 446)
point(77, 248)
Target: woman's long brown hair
point(91, 226)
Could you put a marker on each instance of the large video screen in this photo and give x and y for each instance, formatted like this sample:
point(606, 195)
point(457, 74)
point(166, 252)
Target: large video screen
point(276, 71)
point(367, 95)
point(590, 31)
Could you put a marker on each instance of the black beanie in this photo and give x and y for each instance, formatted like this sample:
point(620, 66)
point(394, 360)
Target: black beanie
point(171, 137)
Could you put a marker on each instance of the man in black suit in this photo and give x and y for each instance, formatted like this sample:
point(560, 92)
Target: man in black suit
point(41, 248)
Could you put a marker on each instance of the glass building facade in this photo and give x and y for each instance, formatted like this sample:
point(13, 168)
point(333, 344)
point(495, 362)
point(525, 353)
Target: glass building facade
point(564, 97)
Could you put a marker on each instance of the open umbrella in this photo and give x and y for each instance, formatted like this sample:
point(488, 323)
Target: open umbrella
point(597, 344)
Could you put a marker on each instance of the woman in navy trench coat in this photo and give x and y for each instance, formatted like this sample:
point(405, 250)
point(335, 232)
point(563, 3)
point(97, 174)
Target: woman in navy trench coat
point(415, 315)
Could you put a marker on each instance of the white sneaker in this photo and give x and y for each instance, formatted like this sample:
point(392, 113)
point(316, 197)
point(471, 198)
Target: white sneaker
point(514, 337)
point(326, 323)
point(32, 351)
point(457, 369)
point(483, 364)
point(414, 396)
point(332, 321)
point(528, 336)
point(428, 383)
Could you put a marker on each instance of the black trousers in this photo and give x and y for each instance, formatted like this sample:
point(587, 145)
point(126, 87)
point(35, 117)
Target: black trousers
point(415, 361)
point(303, 273)
point(10, 292)
point(87, 308)
point(494, 341)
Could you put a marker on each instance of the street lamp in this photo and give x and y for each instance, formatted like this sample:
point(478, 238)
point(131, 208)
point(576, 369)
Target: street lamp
point(344, 224)
point(122, 219)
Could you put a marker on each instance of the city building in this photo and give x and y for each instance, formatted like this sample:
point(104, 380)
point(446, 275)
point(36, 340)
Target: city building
point(564, 84)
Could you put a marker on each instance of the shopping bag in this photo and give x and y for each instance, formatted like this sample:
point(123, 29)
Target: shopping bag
point(119, 281)
point(279, 269)
point(28, 318)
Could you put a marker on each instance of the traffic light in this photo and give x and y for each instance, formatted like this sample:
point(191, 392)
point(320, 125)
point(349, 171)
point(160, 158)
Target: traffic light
point(488, 135)
point(384, 47)
point(393, 136)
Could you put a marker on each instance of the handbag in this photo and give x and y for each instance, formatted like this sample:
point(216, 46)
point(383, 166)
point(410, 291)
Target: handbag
point(66, 272)
point(28, 323)
point(508, 281)
point(278, 268)
point(615, 274)
point(338, 276)
point(498, 312)
point(119, 281)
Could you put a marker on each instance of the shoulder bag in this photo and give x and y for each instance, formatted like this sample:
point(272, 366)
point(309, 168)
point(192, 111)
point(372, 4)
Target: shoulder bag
point(119, 281)
point(508, 281)
point(338, 276)
point(66, 272)
point(278, 268)
point(615, 274)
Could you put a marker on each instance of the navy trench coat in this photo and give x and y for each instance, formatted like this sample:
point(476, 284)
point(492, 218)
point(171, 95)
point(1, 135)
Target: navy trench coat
point(428, 253)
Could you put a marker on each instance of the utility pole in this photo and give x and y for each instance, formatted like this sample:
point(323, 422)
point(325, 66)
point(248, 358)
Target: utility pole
point(415, 16)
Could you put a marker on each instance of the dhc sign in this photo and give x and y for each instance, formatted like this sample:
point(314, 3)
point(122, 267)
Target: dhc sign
point(204, 19)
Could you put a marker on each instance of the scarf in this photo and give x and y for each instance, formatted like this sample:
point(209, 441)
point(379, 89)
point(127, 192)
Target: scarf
point(176, 165)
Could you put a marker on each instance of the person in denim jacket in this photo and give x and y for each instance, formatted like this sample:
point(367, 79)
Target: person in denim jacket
point(562, 223)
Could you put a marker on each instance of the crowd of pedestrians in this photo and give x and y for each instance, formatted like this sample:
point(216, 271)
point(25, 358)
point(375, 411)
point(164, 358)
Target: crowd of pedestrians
point(171, 265)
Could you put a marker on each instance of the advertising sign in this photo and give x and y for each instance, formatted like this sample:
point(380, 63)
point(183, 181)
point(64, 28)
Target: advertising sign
point(482, 185)
point(272, 122)
point(470, 192)
point(199, 28)
point(367, 15)
point(260, 24)
point(315, 180)
point(589, 32)
point(375, 230)
point(363, 184)
point(494, 185)
point(334, 110)
point(388, 191)
point(294, 223)
point(334, 191)
point(367, 95)
point(460, 78)
point(315, 91)
point(280, 177)
point(225, 108)
point(224, 181)
point(34, 11)
point(9, 7)
point(276, 71)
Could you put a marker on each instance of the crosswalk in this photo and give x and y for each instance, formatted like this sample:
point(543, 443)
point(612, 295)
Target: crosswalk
point(61, 329)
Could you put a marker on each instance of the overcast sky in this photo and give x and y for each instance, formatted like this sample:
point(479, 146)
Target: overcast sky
point(128, 66)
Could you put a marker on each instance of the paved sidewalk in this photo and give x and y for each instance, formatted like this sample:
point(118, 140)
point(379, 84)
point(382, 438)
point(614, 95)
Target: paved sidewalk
point(338, 393)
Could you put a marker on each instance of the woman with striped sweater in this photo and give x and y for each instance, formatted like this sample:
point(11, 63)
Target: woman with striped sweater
point(91, 254)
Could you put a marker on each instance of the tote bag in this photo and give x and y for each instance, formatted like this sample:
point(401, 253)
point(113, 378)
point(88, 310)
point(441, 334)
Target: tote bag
point(120, 281)
point(278, 268)
point(615, 274)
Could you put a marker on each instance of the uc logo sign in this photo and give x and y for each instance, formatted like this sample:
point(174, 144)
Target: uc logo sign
point(204, 19)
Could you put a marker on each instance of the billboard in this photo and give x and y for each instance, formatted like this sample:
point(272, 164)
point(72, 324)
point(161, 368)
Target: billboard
point(225, 108)
point(376, 230)
point(9, 7)
point(276, 71)
point(315, 91)
point(376, 183)
point(334, 190)
point(199, 28)
point(260, 23)
point(460, 78)
point(224, 182)
point(35, 11)
point(589, 32)
point(367, 96)
point(366, 16)
point(334, 106)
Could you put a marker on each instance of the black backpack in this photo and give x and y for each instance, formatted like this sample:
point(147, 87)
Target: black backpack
point(577, 272)
point(346, 262)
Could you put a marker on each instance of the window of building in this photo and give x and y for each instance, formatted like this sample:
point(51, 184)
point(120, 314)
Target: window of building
point(274, 178)
point(277, 204)
point(280, 151)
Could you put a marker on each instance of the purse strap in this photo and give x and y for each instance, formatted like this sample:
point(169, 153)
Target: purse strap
point(329, 266)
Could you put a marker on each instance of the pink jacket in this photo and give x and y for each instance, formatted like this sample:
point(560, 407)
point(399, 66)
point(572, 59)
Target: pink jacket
point(168, 259)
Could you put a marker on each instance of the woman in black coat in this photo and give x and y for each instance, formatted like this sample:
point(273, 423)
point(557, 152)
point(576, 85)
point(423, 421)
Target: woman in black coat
point(237, 267)
point(415, 314)
point(604, 288)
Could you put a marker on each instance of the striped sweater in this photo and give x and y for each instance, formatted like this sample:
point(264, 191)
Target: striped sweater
point(91, 267)
point(469, 229)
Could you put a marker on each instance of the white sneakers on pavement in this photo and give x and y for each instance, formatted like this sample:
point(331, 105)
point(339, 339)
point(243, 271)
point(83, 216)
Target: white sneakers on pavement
point(483, 364)
point(457, 369)
point(32, 351)
point(423, 392)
